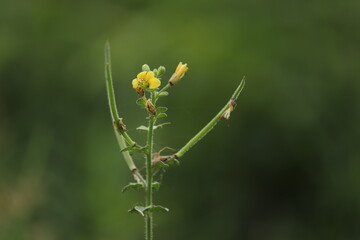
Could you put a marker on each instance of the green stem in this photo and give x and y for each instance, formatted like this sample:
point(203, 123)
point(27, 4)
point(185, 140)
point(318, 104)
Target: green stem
point(128, 159)
point(149, 179)
point(120, 127)
point(165, 87)
point(122, 145)
point(212, 123)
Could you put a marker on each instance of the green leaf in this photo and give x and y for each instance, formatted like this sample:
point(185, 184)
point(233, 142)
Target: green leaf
point(142, 149)
point(142, 128)
point(173, 162)
point(156, 185)
point(161, 109)
point(133, 150)
point(163, 93)
point(138, 209)
point(161, 164)
point(128, 149)
point(161, 125)
point(151, 89)
point(141, 102)
point(161, 115)
point(156, 208)
point(134, 186)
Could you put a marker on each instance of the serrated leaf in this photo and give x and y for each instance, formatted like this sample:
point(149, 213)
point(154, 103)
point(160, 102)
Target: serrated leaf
point(141, 102)
point(142, 128)
point(161, 115)
point(162, 94)
point(161, 110)
point(133, 186)
point(138, 209)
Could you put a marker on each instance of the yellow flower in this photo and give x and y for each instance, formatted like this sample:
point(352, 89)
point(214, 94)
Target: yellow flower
point(178, 74)
point(145, 80)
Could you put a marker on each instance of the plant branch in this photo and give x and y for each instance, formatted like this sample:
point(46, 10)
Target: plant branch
point(128, 159)
point(165, 87)
point(224, 113)
point(119, 125)
point(149, 178)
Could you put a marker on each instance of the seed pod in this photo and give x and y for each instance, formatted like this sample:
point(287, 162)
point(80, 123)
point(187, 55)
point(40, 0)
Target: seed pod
point(140, 91)
point(150, 107)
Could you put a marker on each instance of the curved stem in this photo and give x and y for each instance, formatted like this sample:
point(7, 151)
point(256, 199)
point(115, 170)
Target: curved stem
point(128, 159)
point(119, 125)
point(228, 108)
point(165, 87)
point(201, 133)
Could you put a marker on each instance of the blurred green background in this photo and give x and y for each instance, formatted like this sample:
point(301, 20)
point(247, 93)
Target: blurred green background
point(286, 165)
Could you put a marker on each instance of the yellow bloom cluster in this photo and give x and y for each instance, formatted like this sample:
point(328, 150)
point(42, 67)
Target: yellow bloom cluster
point(145, 80)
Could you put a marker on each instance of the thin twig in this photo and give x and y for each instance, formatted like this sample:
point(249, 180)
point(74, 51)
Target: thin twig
point(208, 127)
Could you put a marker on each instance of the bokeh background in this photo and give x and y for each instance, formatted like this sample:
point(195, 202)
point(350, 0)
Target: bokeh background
point(286, 165)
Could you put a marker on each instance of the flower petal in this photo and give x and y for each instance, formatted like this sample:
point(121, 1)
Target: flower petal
point(135, 83)
point(154, 83)
point(178, 67)
point(149, 75)
point(142, 75)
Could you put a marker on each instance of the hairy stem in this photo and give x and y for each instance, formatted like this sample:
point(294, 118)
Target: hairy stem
point(149, 179)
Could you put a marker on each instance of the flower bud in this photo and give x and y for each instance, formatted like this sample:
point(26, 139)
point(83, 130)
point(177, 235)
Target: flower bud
point(146, 68)
point(155, 71)
point(161, 71)
point(178, 74)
